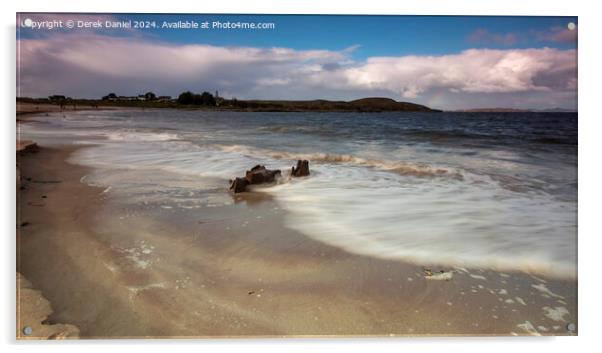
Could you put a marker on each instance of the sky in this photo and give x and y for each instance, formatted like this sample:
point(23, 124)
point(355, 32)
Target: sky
point(444, 62)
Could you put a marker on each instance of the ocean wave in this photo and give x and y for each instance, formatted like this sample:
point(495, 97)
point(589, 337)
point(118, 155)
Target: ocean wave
point(397, 167)
point(479, 140)
point(140, 136)
point(436, 135)
point(291, 129)
point(451, 223)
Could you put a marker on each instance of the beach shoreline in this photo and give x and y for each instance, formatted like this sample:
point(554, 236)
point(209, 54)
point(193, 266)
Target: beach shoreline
point(26, 111)
point(109, 271)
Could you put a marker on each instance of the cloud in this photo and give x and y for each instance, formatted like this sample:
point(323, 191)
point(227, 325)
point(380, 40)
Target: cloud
point(473, 70)
point(559, 35)
point(483, 36)
point(92, 65)
point(555, 34)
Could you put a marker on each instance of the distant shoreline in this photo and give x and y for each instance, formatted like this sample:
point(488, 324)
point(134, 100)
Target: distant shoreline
point(28, 106)
point(368, 105)
point(28, 109)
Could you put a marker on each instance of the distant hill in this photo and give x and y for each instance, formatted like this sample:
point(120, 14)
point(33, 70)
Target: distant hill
point(387, 104)
point(373, 104)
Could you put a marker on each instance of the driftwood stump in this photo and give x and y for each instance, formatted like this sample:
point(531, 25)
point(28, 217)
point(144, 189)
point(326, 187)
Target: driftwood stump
point(302, 169)
point(257, 175)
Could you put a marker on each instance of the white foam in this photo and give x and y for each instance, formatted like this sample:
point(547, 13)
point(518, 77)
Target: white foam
point(539, 279)
point(135, 290)
point(139, 255)
point(543, 289)
point(110, 267)
point(442, 276)
point(398, 167)
point(148, 286)
point(478, 277)
point(143, 264)
point(137, 136)
point(528, 328)
point(445, 222)
point(556, 313)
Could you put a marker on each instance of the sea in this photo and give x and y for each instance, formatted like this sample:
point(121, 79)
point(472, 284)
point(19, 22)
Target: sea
point(471, 190)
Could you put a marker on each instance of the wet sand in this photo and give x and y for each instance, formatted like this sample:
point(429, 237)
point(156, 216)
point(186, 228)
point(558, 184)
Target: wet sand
point(114, 270)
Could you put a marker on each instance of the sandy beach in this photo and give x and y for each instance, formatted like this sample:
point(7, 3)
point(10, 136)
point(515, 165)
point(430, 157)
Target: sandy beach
point(27, 110)
point(110, 270)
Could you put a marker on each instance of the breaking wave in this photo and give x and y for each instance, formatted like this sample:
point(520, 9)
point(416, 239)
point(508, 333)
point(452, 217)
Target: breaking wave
point(139, 136)
point(397, 167)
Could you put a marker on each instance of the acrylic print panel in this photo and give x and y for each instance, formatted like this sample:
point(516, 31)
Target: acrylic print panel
point(193, 175)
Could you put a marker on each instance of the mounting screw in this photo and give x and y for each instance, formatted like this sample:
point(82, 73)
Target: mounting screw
point(570, 327)
point(27, 330)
